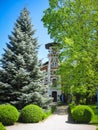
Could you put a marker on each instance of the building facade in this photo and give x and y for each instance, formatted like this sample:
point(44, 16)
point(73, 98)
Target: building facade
point(52, 79)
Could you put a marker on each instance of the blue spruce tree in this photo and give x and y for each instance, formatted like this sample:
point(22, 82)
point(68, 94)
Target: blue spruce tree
point(21, 81)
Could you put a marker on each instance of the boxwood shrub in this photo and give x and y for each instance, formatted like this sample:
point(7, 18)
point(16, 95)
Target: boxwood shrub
point(82, 114)
point(8, 114)
point(2, 127)
point(31, 114)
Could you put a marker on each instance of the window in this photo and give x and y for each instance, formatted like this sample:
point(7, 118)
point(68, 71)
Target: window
point(54, 82)
point(54, 64)
point(53, 72)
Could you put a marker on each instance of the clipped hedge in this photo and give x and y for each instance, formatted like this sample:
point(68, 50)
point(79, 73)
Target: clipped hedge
point(2, 126)
point(8, 114)
point(82, 114)
point(31, 114)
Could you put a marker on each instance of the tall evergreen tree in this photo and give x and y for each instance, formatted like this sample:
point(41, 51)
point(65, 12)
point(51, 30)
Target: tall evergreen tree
point(21, 81)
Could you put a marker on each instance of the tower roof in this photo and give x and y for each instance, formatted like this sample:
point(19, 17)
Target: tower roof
point(51, 44)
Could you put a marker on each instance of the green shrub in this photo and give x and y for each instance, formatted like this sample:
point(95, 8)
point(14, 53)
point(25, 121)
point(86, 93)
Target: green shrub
point(95, 117)
point(71, 106)
point(53, 108)
point(82, 114)
point(31, 114)
point(8, 114)
point(47, 114)
point(2, 127)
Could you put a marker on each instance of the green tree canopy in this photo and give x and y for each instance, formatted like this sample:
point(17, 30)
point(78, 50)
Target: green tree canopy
point(74, 24)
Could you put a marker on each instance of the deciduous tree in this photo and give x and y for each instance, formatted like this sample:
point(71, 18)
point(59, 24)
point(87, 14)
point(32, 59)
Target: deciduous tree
point(74, 24)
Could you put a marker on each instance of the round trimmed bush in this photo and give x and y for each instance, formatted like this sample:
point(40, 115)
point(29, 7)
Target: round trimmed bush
point(2, 126)
point(31, 114)
point(82, 114)
point(8, 114)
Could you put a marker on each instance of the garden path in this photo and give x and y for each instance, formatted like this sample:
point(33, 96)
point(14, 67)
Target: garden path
point(57, 121)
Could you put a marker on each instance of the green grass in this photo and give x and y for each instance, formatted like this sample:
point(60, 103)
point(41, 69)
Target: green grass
point(47, 114)
point(95, 117)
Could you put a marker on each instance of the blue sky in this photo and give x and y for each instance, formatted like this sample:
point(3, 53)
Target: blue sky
point(9, 12)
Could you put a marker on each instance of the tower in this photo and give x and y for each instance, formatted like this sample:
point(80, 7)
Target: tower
point(53, 79)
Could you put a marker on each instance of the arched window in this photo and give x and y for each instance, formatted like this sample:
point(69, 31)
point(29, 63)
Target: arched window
point(54, 82)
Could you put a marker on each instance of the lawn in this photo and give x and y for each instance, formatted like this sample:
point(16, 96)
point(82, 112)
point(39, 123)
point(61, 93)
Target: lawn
point(95, 117)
